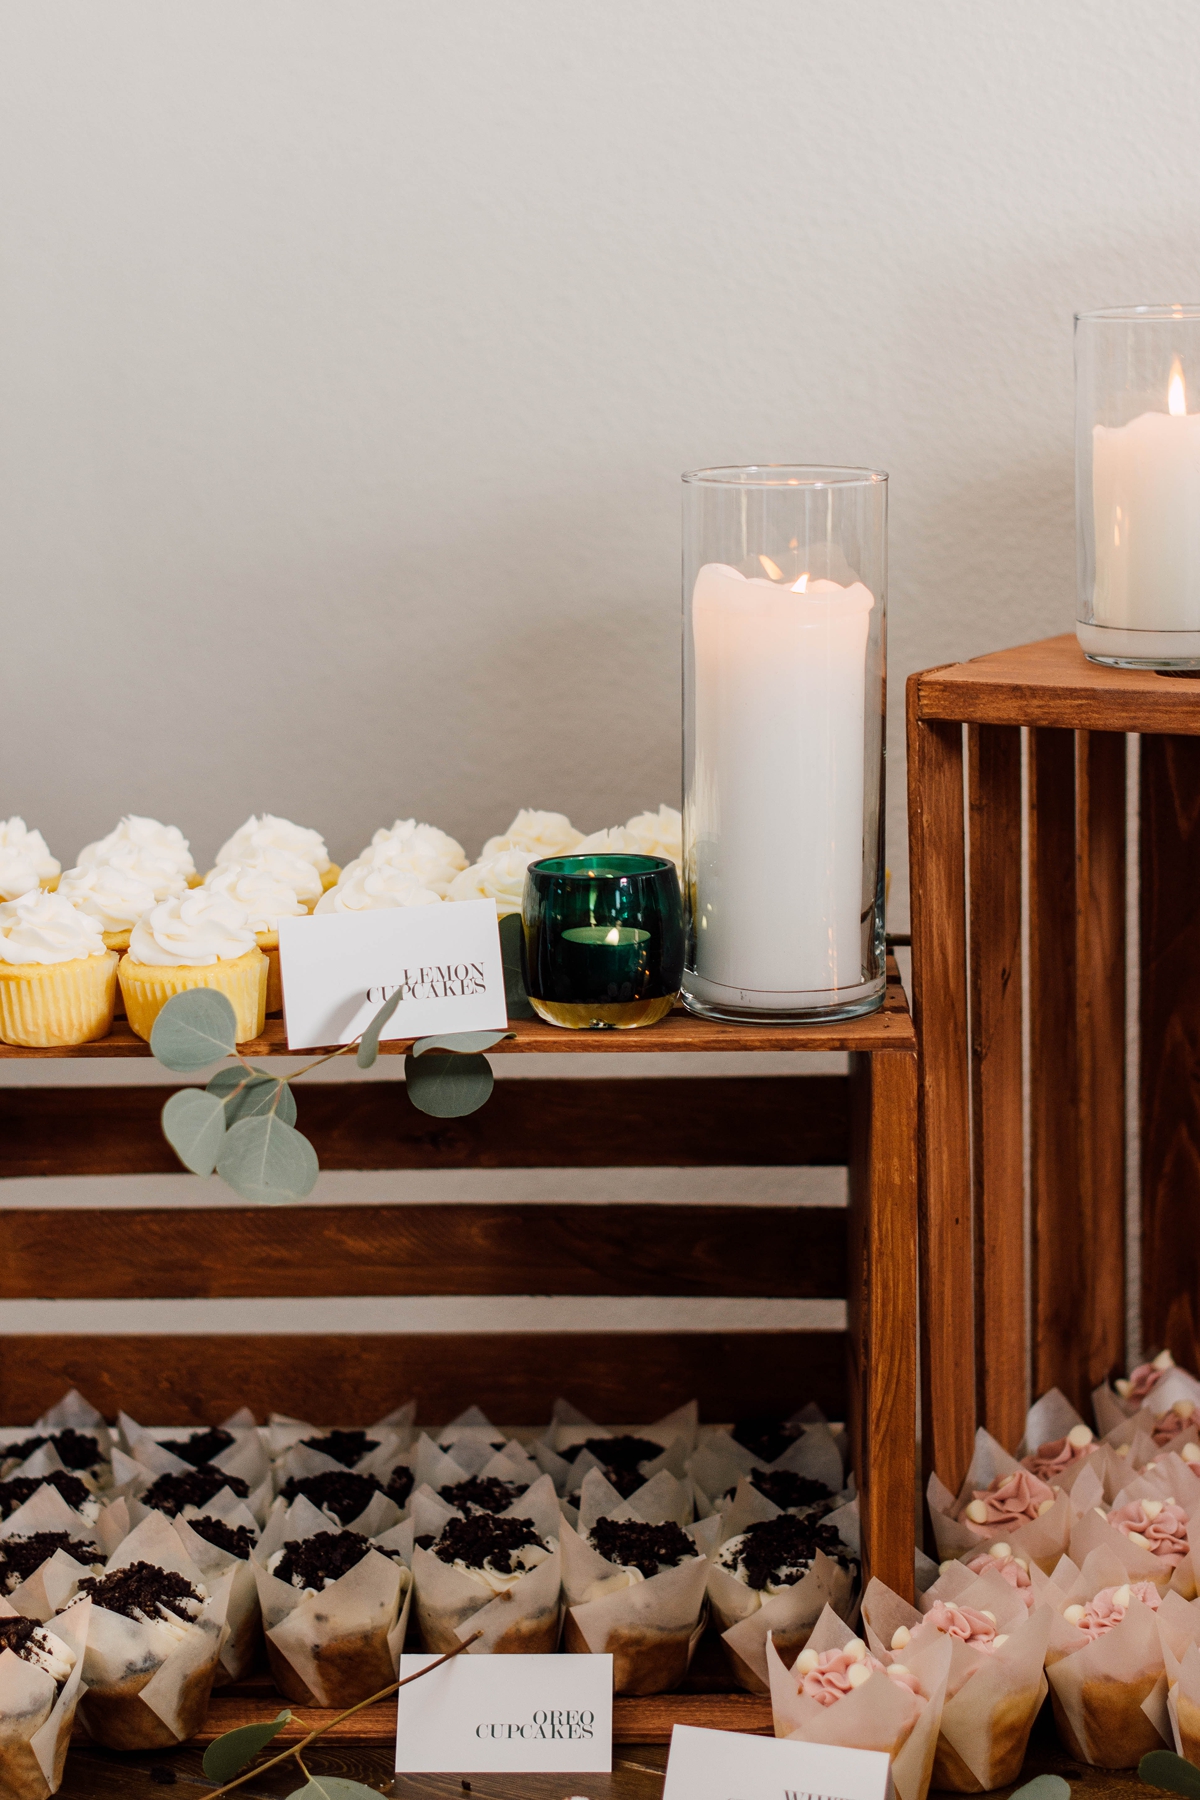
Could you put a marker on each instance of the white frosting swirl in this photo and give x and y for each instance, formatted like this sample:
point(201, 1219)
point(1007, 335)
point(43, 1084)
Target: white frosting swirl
point(161, 843)
point(47, 1651)
point(265, 887)
point(527, 1557)
point(266, 832)
point(17, 839)
point(115, 897)
point(160, 873)
point(192, 930)
point(500, 878)
point(541, 833)
point(428, 868)
point(40, 927)
point(365, 887)
point(616, 840)
point(406, 835)
point(18, 875)
point(658, 834)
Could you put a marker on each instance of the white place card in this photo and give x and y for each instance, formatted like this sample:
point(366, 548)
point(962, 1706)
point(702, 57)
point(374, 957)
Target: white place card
point(338, 969)
point(506, 1714)
point(732, 1765)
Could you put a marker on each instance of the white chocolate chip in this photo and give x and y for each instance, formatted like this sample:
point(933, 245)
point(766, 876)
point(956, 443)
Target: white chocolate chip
point(1023, 1563)
point(1190, 1453)
point(1001, 1552)
point(1000, 1638)
point(807, 1661)
point(987, 1615)
point(856, 1650)
point(1045, 1507)
point(1099, 1512)
point(1164, 1360)
point(900, 1637)
point(1123, 1388)
point(977, 1512)
point(1073, 1614)
point(1122, 1597)
point(1122, 1449)
point(899, 1669)
point(1149, 1468)
point(1135, 1537)
point(1184, 1409)
point(1079, 1436)
point(945, 1567)
point(1152, 1508)
point(857, 1674)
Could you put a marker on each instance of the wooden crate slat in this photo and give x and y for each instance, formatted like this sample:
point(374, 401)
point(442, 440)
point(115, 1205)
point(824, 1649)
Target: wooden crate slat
point(537, 1248)
point(615, 1377)
point(753, 1121)
point(994, 788)
point(1170, 1038)
point(938, 900)
point(1052, 684)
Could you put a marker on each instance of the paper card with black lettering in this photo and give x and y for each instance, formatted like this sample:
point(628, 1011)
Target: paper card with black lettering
point(338, 969)
point(730, 1765)
point(519, 1715)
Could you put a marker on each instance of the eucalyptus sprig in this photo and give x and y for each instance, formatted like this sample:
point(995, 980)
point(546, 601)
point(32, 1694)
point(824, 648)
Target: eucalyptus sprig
point(230, 1753)
point(1163, 1769)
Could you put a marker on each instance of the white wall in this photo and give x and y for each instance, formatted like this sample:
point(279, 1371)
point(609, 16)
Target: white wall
point(350, 353)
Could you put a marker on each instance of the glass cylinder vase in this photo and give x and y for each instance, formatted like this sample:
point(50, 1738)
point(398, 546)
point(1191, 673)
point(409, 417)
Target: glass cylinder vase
point(784, 603)
point(1137, 486)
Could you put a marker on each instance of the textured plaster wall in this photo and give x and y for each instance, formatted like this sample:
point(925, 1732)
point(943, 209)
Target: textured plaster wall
point(350, 353)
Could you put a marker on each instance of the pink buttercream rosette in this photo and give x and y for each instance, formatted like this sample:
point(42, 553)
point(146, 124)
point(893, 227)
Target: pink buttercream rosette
point(1000, 1500)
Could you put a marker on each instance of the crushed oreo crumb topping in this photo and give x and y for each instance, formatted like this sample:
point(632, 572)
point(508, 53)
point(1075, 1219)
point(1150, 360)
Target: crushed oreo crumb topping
point(201, 1447)
point(638, 1546)
point(20, 1488)
point(767, 1438)
point(76, 1450)
point(400, 1485)
point(145, 1588)
point(620, 1459)
point(239, 1540)
point(345, 1447)
point(339, 1492)
point(791, 1492)
point(311, 1562)
point(485, 1539)
point(482, 1494)
point(16, 1634)
point(782, 1549)
point(171, 1493)
point(20, 1556)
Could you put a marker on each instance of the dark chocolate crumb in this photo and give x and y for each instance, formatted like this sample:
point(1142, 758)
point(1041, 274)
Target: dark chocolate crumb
point(162, 1774)
point(766, 1438)
point(791, 1492)
point(483, 1538)
point(425, 1541)
point(620, 1459)
point(76, 1449)
point(782, 1549)
point(345, 1447)
point(143, 1587)
point(638, 1546)
point(483, 1493)
point(201, 1447)
point(325, 1557)
point(239, 1540)
point(20, 1488)
point(171, 1493)
point(15, 1634)
point(343, 1494)
point(400, 1485)
point(20, 1556)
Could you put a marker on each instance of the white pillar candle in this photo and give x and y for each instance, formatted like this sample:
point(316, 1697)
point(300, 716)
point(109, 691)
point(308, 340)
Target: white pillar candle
point(1146, 499)
point(777, 795)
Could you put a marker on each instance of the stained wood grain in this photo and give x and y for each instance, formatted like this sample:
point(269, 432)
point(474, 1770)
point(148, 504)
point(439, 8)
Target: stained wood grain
point(994, 789)
point(759, 1121)
point(938, 900)
point(793, 1252)
point(1052, 684)
point(1054, 1065)
point(1170, 1036)
point(614, 1377)
point(1100, 1036)
point(882, 1312)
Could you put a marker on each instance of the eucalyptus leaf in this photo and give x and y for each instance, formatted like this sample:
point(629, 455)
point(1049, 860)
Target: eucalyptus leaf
point(461, 1042)
point(265, 1159)
point(516, 999)
point(246, 1095)
point(368, 1044)
point(1163, 1769)
point(193, 1123)
point(194, 1030)
point(448, 1087)
point(333, 1787)
point(234, 1749)
point(1043, 1787)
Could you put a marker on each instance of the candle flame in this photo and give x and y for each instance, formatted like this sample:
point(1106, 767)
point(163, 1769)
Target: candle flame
point(1176, 392)
point(801, 586)
point(613, 937)
point(773, 569)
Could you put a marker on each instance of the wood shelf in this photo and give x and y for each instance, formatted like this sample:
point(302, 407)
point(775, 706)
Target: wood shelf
point(888, 1029)
point(1052, 684)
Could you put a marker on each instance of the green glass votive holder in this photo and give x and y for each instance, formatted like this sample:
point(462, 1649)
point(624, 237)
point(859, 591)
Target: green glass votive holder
point(602, 945)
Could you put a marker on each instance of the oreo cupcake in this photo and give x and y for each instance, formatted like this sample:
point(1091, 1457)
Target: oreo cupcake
point(772, 1573)
point(190, 1494)
point(40, 1672)
point(496, 1572)
point(345, 1496)
point(623, 1461)
point(22, 1557)
point(335, 1610)
point(222, 1545)
point(77, 1451)
point(19, 1489)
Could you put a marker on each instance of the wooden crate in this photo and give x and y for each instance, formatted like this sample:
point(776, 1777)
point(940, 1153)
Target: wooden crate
point(863, 1120)
point(980, 829)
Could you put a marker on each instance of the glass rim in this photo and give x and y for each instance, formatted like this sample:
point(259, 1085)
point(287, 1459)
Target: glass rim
point(1125, 315)
point(552, 866)
point(785, 475)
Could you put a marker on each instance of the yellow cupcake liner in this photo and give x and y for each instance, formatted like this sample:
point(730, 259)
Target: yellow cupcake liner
point(44, 1004)
point(146, 988)
point(268, 943)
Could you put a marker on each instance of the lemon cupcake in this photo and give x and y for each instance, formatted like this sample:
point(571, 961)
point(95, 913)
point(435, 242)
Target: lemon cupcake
point(541, 833)
point(57, 980)
point(270, 885)
point(366, 887)
point(266, 832)
point(115, 896)
point(150, 842)
point(431, 857)
point(25, 860)
point(198, 939)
